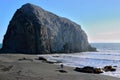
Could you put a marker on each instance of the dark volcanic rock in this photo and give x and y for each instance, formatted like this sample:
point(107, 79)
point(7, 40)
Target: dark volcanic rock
point(88, 69)
point(109, 68)
point(34, 30)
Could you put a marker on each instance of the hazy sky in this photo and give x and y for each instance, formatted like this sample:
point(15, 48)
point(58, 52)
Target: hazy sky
point(100, 19)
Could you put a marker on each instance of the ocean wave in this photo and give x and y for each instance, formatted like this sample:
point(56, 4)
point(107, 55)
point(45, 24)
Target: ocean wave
point(108, 54)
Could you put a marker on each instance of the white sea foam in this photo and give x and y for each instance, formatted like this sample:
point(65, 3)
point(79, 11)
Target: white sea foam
point(95, 59)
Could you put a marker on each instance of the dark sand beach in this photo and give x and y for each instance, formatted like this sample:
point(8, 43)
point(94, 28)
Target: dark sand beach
point(15, 67)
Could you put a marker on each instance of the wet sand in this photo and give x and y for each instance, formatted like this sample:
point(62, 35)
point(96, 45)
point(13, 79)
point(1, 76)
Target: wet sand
point(26, 67)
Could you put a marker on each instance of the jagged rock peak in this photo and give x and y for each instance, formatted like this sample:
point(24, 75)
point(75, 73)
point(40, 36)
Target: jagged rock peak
point(35, 30)
point(29, 6)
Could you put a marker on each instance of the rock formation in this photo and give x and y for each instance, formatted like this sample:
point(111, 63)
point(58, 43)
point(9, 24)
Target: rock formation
point(34, 30)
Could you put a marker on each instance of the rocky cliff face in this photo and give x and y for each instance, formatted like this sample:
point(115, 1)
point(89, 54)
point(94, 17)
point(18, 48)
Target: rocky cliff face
point(34, 30)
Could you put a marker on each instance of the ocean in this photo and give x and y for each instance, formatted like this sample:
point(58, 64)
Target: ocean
point(108, 54)
point(0, 45)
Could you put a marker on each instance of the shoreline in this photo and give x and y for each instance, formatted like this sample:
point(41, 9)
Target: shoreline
point(26, 67)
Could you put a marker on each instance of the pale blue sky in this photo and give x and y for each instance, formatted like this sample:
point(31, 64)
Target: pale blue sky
point(100, 19)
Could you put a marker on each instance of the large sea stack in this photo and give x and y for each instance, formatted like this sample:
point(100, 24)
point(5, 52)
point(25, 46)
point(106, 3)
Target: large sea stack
point(34, 30)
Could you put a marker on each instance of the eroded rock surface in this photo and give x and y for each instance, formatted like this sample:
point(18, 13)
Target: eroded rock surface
point(34, 30)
